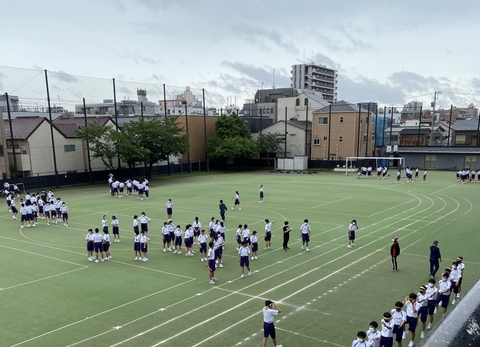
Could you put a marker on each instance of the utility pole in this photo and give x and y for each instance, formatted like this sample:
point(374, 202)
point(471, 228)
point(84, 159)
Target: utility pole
point(433, 104)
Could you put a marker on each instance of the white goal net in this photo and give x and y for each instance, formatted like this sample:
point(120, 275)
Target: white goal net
point(352, 164)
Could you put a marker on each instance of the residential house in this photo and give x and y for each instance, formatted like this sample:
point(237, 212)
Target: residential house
point(465, 132)
point(4, 162)
point(342, 130)
point(297, 136)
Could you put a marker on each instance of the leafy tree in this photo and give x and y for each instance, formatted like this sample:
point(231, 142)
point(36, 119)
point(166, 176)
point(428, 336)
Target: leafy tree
point(129, 142)
point(269, 145)
point(232, 139)
point(160, 138)
point(231, 126)
point(101, 142)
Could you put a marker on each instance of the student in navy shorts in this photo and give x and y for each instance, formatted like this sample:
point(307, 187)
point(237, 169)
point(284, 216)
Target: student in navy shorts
point(239, 235)
point(211, 263)
point(269, 312)
point(202, 241)
point(243, 253)
point(136, 244)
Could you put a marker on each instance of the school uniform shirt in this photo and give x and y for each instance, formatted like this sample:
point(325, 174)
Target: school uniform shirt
point(422, 299)
point(398, 317)
point(189, 233)
point(455, 275)
point(115, 223)
point(246, 233)
point(220, 241)
point(253, 239)
point(29, 209)
point(410, 312)
point(461, 267)
point(135, 224)
point(374, 338)
point(144, 219)
point(104, 223)
point(269, 315)
point(211, 225)
point(169, 204)
point(165, 230)
point(268, 227)
point(222, 229)
point(239, 232)
point(357, 343)
point(89, 237)
point(178, 232)
point(64, 209)
point(244, 251)
point(352, 227)
point(58, 204)
point(444, 287)
point(211, 254)
point(431, 292)
point(143, 239)
point(106, 239)
point(202, 238)
point(23, 211)
point(97, 237)
point(196, 225)
point(386, 332)
point(305, 228)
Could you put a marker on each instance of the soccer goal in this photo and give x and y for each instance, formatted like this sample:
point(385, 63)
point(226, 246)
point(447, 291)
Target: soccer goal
point(356, 162)
point(21, 187)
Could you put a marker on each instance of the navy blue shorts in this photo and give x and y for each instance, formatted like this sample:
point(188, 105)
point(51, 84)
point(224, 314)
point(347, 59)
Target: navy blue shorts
point(269, 330)
point(169, 210)
point(211, 265)
point(178, 240)
point(268, 236)
point(143, 247)
point(398, 332)
point(423, 313)
point(305, 238)
point(98, 247)
point(106, 246)
point(14, 209)
point(115, 231)
point(90, 246)
point(144, 227)
point(244, 261)
point(203, 247)
point(239, 240)
point(431, 306)
point(136, 246)
point(188, 242)
point(254, 246)
point(351, 235)
point(412, 323)
point(166, 238)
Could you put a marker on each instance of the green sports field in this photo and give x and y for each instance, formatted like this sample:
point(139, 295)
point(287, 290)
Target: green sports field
point(52, 296)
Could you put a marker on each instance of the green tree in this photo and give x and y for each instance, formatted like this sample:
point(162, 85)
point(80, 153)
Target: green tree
point(269, 145)
point(232, 139)
point(160, 138)
point(101, 142)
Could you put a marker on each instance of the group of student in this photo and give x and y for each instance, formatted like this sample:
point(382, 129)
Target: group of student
point(467, 175)
point(421, 306)
point(138, 187)
point(409, 175)
point(38, 206)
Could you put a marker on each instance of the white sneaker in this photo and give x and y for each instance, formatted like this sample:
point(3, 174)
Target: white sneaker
point(221, 265)
point(169, 250)
point(96, 260)
point(28, 225)
point(255, 257)
point(411, 344)
point(211, 282)
point(242, 276)
point(429, 326)
point(136, 258)
point(453, 302)
point(353, 244)
point(48, 223)
point(194, 243)
point(179, 252)
point(66, 225)
point(145, 259)
point(404, 336)
point(435, 311)
point(22, 226)
point(233, 208)
point(103, 260)
point(240, 209)
point(109, 257)
point(90, 259)
point(422, 335)
point(216, 261)
point(307, 250)
point(251, 258)
point(458, 295)
point(148, 239)
point(249, 273)
point(202, 259)
point(302, 247)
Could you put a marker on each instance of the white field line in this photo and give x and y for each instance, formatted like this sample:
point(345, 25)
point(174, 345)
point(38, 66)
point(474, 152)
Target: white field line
point(246, 287)
point(99, 314)
point(43, 256)
point(309, 337)
point(44, 278)
point(331, 202)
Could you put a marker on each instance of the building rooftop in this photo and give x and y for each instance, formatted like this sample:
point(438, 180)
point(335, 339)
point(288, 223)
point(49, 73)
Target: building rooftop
point(68, 125)
point(465, 125)
point(22, 127)
point(341, 106)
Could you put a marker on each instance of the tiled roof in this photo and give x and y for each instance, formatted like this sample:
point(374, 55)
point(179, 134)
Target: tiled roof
point(341, 106)
point(22, 127)
point(67, 125)
point(300, 124)
point(465, 125)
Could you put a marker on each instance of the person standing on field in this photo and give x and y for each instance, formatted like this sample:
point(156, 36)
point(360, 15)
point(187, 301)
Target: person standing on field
point(269, 312)
point(352, 228)
point(223, 208)
point(286, 235)
point(305, 234)
point(435, 258)
point(395, 252)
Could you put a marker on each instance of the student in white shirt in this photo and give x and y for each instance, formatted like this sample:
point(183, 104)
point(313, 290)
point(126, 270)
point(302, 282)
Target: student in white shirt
point(115, 229)
point(269, 312)
point(386, 338)
point(136, 244)
point(211, 262)
point(237, 201)
point(352, 228)
point(178, 240)
point(423, 310)
point(90, 244)
point(444, 290)
point(218, 245)
point(413, 308)
point(254, 240)
point(243, 253)
point(98, 244)
point(188, 240)
point(202, 241)
point(360, 340)
point(373, 335)
point(143, 245)
point(431, 294)
point(166, 237)
point(144, 220)
point(399, 317)
point(461, 267)
point(455, 278)
point(261, 193)
point(106, 245)
point(305, 234)
point(169, 208)
point(268, 234)
point(196, 229)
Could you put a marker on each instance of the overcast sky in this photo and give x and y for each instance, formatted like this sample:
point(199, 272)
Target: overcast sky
point(384, 51)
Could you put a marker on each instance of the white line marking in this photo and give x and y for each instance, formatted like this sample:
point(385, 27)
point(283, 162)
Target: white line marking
point(331, 202)
point(309, 337)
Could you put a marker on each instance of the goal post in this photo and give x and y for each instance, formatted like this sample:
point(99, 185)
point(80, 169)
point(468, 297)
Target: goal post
point(373, 162)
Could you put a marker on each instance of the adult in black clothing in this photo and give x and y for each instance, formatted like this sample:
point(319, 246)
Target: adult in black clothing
point(395, 252)
point(286, 235)
point(435, 258)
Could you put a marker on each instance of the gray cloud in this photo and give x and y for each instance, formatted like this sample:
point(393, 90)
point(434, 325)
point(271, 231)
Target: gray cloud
point(265, 39)
point(259, 74)
point(63, 76)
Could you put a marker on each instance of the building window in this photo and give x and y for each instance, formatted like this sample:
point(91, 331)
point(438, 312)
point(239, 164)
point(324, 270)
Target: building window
point(69, 148)
point(316, 141)
point(297, 102)
point(373, 138)
point(365, 138)
point(470, 161)
point(341, 119)
point(322, 120)
point(1, 150)
point(430, 161)
point(462, 139)
point(340, 139)
point(271, 110)
point(325, 138)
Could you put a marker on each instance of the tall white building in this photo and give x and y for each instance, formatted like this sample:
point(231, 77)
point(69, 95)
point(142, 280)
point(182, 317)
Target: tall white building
point(318, 78)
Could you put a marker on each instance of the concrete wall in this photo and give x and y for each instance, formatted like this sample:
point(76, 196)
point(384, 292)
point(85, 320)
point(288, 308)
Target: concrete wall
point(295, 139)
point(443, 161)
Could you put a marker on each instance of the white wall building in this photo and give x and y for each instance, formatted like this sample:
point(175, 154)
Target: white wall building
point(317, 78)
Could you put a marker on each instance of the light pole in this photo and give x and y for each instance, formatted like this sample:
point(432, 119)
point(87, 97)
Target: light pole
point(433, 104)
